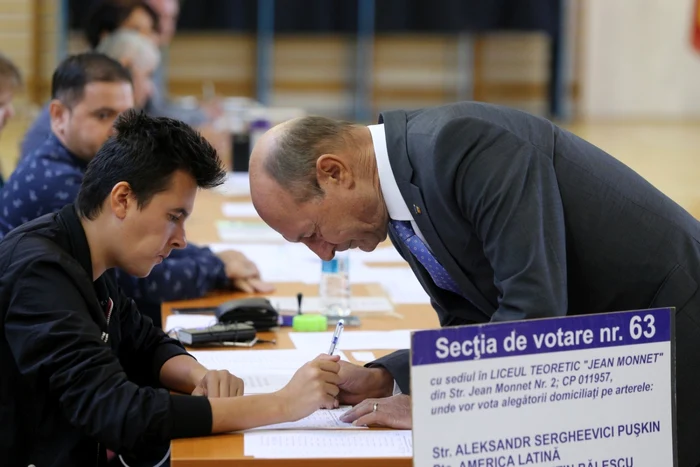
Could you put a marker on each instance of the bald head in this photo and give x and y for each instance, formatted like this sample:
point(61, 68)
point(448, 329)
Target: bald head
point(288, 153)
point(315, 181)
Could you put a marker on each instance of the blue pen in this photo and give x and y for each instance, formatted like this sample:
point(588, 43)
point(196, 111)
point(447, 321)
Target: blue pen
point(336, 336)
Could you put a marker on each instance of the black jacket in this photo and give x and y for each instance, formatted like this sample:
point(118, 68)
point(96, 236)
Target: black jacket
point(79, 364)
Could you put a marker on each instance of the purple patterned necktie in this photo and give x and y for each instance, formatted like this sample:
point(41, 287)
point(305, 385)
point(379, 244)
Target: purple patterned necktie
point(440, 276)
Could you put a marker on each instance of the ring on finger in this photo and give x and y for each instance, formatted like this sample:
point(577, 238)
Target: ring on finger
point(375, 407)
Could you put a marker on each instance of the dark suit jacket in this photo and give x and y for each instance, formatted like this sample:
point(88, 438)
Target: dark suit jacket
point(532, 221)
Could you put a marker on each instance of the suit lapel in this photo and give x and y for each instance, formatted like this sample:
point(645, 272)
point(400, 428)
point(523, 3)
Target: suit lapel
point(395, 127)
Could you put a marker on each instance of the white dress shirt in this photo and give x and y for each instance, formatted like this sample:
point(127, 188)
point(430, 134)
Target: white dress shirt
point(395, 204)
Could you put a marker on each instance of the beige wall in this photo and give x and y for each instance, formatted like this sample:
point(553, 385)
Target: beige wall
point(637, 60)
point(28, 35)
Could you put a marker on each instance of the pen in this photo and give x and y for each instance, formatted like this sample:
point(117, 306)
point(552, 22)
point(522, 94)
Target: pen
point(336, 336)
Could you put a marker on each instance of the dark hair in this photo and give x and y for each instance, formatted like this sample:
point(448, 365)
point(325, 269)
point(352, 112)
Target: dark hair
point(145, 152)
point(108, 16)
point(77, 71)
point(9, 72)
point(292, 159)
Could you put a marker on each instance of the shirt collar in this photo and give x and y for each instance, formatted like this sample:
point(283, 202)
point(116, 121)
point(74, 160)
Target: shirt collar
point(54, 146)
point(395, 204)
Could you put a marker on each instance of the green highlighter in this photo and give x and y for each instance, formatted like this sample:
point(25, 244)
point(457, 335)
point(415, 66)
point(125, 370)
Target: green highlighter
point(308, 323)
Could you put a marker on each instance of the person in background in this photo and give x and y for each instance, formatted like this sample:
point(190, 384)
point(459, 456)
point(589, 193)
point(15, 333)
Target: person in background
point(89, 91)
point(108, 16)
point(135, 52)
point(168, 12)
point(10, 82)
point(83, 372)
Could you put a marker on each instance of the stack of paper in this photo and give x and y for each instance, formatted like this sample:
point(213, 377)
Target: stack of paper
point(328, 444)
point(319, 420)
point(262, 371)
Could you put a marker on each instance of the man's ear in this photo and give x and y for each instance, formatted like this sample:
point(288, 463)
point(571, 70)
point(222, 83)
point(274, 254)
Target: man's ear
point(121, 198)
point(58, 113)
point(331, 169)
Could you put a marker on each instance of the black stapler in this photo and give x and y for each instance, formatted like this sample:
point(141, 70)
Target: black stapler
point(256, 311)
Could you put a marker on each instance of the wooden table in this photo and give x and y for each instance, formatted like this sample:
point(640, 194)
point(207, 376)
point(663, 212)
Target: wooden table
point(227, 449)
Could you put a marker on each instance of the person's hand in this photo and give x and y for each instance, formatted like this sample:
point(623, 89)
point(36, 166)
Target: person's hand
point(243, 273)
point(219, 383)
point(358, 383)
point(313, 387)
point(390, 412)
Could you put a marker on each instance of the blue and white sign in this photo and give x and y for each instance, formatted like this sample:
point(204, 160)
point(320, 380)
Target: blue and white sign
point(579, 391)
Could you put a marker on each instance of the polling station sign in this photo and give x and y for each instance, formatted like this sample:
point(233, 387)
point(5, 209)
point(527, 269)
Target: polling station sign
point(578, 391)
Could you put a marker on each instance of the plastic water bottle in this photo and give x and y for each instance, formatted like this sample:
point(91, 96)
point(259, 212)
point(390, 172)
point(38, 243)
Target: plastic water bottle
point(334, 289)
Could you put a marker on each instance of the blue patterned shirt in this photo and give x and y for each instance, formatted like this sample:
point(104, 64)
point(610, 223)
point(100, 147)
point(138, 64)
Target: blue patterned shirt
point(49, 178)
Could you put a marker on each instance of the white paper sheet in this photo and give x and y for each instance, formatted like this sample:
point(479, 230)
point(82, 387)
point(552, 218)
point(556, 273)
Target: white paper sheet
point(313, 304)
point(353, 340)
point(247, 231)
point(262, 371)
point(239, 210)
point(284, 262)
point(319, 420)
point(379, 255)
point(189, 321)
point(236, 184)
point(399, 283)
point(364, 356)
point(328, 444)
point(289, 262)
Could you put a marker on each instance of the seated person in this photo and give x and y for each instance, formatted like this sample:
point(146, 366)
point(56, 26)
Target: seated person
point(108, 16)
point(82, 370)
point(10, 81)
point(202, 116)
point(88, 92)
point(138, 54)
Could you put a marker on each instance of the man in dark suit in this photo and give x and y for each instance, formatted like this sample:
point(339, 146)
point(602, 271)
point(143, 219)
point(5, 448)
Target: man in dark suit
point(501, 215)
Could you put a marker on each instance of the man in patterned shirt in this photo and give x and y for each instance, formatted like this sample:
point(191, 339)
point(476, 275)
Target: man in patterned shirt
point(89, 91)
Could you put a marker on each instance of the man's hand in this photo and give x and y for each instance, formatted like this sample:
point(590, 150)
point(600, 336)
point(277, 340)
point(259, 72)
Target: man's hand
point(358, 383)
point(219, 383)
point(391, 412)
point(243, 273)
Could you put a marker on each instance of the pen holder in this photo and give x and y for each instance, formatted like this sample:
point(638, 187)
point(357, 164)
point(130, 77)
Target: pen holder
point(310, 323)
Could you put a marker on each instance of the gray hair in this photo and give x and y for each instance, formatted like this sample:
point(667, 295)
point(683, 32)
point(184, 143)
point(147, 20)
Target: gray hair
point(130, 45)
point(292, 159)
